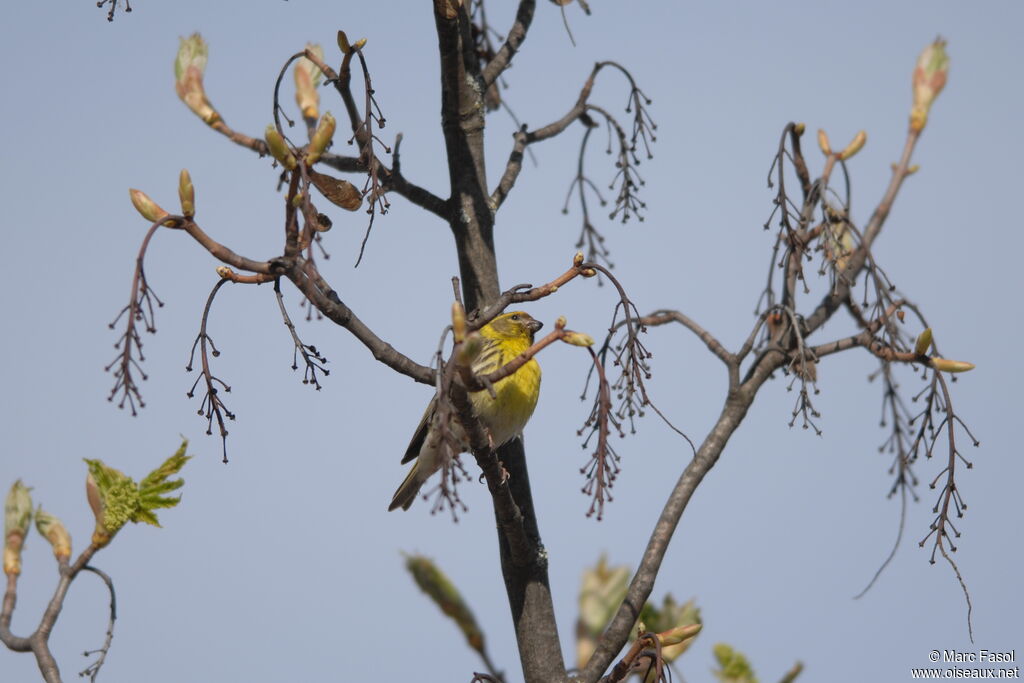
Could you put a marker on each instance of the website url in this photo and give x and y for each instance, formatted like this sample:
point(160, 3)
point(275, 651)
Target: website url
point(966, 673)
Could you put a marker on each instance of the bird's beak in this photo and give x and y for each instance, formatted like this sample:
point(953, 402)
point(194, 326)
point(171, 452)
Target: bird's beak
point(534, 326)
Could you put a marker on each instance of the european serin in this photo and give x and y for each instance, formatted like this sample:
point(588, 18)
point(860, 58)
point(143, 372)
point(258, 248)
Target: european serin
point(504, 415)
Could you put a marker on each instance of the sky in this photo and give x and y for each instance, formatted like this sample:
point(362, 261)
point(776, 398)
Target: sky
point(284, 565)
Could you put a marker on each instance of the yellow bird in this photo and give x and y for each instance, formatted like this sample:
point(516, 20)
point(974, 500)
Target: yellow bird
point(504, 415)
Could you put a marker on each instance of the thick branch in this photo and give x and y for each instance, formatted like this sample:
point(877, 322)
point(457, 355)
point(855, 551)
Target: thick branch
point(471, 217)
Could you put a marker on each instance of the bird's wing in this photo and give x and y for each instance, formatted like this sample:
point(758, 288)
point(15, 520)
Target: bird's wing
point(420, 435)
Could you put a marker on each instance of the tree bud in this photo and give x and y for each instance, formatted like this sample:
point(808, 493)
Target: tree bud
point(279, 148)
point(924, 342)
point(321, 138)
point(929, 79)
point(54, 531)
point(149, 209)
point(187, 194)
point(17, 518)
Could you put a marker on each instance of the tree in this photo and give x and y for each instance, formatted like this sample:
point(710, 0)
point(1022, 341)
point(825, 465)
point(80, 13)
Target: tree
point(775, 345)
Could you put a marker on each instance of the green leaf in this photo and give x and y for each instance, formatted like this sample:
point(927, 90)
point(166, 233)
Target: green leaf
point(734, 666)
point(446, 596)
point(125, 501)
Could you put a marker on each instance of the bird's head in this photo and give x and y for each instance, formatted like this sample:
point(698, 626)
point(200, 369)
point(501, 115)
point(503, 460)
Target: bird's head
point(514, 325)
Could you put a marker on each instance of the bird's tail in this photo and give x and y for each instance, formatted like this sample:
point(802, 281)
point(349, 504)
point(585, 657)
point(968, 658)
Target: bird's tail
point(406, 493)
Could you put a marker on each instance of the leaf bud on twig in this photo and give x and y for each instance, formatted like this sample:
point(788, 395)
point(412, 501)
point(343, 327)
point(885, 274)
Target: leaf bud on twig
point(321, 138)
point(929, 79)
point(189, 66)
point(458, 322)
point(946, 365)
point(924, 342)
point(17, 518)
point(855, 145)
point(149, 209)
point(826, 148)
point(577, 338)
point(307, 78)
point(279, 148)
point(187, 194)
point(54, 531)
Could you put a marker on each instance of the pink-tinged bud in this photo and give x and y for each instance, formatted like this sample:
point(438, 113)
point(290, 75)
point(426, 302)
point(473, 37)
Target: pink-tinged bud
point(189, 66)
point(17, 519)
point(321, 138)
point(100, 537)
point(855, 145)
point(279, 148)
point(53, 531)
point(826, 148)
point(946, 365)
point(187, 194)
point(924, 342)
point(929, 79)
point(149, 209)
point(307, 78)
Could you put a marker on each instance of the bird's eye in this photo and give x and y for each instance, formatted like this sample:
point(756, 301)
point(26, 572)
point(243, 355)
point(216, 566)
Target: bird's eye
point(515, 317)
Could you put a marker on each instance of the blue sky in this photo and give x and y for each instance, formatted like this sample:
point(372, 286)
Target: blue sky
point(284, 565)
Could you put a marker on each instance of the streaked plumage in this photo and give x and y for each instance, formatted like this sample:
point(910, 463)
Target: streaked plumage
point(504, 338)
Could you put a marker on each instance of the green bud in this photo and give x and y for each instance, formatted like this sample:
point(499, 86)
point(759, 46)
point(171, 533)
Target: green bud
point(149, 209)
point(321, 138)
point(17, 518)
point(187, 194)
point(54, 531)
point(279, 148)
point(924, 342)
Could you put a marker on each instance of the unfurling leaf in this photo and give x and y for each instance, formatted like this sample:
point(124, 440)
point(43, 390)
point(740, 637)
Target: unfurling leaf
point(446, 596)
point(601, 591)
point(307, 78)
point(339, 192)
point(116, 499)
point(189, 66)
point(733, 666)
point(929, 79)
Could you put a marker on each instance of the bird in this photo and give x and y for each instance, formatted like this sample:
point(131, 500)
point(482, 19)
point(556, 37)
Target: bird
point(503, 413)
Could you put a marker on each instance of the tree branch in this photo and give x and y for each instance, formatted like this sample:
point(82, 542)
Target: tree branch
point(516, 35)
